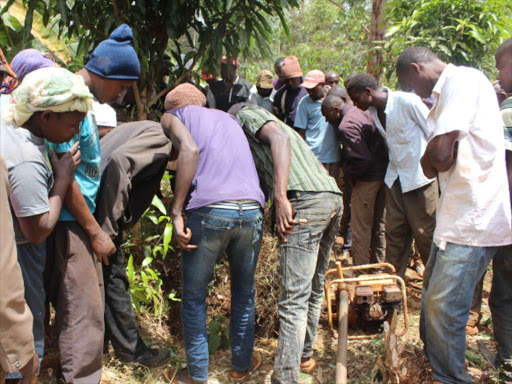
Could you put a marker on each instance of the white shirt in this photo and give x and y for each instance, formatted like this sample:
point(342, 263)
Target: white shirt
point(474, 207)
point(406, 135)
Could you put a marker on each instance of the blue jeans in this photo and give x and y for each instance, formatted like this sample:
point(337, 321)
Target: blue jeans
point(304, 259)
point(450, 278)
point(500, 302)
point(215, 231)
point(32, 260)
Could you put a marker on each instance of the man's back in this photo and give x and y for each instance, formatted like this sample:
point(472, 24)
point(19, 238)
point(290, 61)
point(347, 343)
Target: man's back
point(226, 169)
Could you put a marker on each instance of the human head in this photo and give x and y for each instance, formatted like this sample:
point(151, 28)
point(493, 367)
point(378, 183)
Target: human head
point(264, 83)
point(52, 101)
point(228, 68)
point(361, 90)
point(184, 95)
point(113, 66)
point(332, 109)
point(332, 78)
point(503, 59)
point(314, 82)
point(208, 77)
point(277, 67)
point(26, 61)
point(347, 80)
point(419, 68)
point(339, 91)
point(291, 72)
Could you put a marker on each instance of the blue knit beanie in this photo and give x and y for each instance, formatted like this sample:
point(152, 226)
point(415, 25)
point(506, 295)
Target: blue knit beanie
point(115, 58)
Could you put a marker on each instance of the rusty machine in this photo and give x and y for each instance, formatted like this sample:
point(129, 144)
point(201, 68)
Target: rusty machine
point(364, 301)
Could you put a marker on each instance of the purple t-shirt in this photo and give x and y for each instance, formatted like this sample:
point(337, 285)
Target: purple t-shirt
point(226, 169)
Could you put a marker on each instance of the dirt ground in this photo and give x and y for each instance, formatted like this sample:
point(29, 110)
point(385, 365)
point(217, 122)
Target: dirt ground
point(362, 355)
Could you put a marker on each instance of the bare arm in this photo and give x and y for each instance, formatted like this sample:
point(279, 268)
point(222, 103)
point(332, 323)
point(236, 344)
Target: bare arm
point(38, 227)
point(301, 132)
point(440, 154)
point(188, 158)
point(280, 147)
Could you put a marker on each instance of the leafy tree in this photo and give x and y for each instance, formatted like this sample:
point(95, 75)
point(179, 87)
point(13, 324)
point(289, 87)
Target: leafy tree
point(191, 31)
point(463, 32)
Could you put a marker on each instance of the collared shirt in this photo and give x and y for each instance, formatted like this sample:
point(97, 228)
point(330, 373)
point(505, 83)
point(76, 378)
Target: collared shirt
point(321, 136)
point(365, 155)
point(286, 102)
point(406, 135)
point(474, 206)
point(506, 115)
point(221, 97)
point(307, 174)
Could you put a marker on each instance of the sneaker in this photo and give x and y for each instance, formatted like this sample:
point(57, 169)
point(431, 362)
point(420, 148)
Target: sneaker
point(153, 357)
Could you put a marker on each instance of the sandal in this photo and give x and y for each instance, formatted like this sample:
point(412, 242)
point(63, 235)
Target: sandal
point(255, 365)
point(180, 377)
point(307, 366)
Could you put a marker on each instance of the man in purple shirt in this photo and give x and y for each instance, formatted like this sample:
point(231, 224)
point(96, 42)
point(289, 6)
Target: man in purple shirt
point(217, 185)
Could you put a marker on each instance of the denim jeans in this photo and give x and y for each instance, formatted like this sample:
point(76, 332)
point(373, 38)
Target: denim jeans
point(215, 231)
point(32, 260)
point(500, 302)
point(304, 259)
point(448, 288)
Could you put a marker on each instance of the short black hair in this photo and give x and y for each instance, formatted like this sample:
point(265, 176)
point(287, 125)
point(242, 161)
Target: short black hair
point(348, 78)
point(279, 60)
point(358, 83)
point(414, 55)
point(339, 91)
point(331, 101)
point(505, 47)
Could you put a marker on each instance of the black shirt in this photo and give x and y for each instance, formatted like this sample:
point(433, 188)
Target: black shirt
point(221, 97)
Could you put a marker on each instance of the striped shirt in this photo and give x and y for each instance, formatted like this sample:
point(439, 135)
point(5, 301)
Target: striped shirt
point(506, 115)
point(307, 174)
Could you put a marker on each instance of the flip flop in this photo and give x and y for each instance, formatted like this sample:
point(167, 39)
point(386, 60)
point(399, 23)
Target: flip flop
point(255, 365)
point(308, 366)
point(176, 377)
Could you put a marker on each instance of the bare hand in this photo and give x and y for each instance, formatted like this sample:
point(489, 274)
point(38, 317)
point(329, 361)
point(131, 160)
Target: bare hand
point(65, 166)
point(182, 234)
point(284, 219)
point(428, 169)
point(29, 371)
point(103, 246)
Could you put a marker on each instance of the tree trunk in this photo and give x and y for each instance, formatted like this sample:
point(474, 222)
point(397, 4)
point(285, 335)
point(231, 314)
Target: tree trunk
point(377, 30)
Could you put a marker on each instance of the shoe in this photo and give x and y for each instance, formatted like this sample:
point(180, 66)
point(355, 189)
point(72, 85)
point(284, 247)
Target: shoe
point(308, 365)
point(472, 330)
point(153, 357)
point(240, 377)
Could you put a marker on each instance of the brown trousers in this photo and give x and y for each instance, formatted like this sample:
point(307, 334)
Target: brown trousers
point(410, 215)
point(16, 339)
point(75, 288)
point(368, 222)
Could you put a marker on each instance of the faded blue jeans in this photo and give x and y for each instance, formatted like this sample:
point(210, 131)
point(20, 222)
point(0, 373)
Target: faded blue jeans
point(450, 278)
point(304, 259)
point(215, 231)
point(500, 302)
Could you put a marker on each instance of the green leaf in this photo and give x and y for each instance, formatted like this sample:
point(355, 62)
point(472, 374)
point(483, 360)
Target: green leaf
point(392, 30)
point(7, 6)
point(167, 238)
point(159, 205)
point(147, 261)
point(130, 270)
point(214, 339)
point(12, 22)
point(153, 219)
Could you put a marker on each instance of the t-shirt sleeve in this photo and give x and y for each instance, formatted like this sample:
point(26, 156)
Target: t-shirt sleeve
point(456, 106)
point(29, 189)
point(253, 119)
point(301, 116)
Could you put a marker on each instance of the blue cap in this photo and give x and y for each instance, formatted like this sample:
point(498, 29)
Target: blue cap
point(115, 58)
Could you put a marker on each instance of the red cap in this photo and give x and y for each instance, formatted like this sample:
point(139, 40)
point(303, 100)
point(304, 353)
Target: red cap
point(206, 76)
point(313, 78)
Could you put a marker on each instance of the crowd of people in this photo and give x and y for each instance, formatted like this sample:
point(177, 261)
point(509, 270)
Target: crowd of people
point(430, 163)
